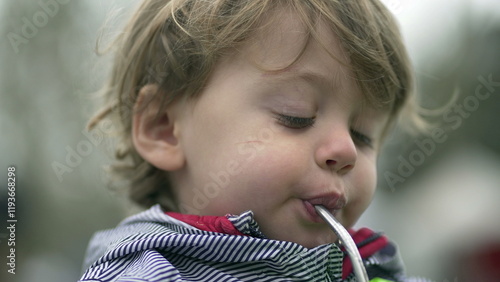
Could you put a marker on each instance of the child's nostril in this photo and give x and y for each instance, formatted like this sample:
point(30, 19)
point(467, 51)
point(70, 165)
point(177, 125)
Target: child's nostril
point(331, 162)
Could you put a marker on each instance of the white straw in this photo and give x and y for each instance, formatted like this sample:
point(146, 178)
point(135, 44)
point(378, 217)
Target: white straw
point(346, 240)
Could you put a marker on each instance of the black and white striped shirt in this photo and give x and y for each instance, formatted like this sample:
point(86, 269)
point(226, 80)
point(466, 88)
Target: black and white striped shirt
point(152, 246)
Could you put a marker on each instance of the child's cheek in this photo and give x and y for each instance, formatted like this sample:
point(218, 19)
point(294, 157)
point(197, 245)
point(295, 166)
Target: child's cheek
point(263, 159)
point(270, 163)
point(360, 193)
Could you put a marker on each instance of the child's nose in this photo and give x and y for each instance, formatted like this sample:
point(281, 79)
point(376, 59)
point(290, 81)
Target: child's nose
point(337, 152)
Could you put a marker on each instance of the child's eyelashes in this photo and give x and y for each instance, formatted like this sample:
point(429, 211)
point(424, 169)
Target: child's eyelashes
point(295, 122)
point(362, 138)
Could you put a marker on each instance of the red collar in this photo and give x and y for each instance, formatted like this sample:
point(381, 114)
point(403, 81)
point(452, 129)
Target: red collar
point(218, 224)
point(368, 243)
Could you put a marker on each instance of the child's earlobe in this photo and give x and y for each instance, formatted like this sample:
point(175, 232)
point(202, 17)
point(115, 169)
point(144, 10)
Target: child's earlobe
point(154, 131)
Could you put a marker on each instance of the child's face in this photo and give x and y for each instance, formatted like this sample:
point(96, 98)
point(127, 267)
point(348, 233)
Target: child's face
point(278, 143)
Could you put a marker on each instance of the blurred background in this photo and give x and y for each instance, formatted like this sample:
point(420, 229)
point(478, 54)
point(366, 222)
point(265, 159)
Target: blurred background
point(438, 195)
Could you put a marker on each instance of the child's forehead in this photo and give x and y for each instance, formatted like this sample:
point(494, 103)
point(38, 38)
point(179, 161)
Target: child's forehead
point(283, 49)
point(283, 36)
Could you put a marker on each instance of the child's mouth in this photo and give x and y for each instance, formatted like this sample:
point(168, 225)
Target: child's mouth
point(313, 215)
point(333, 202)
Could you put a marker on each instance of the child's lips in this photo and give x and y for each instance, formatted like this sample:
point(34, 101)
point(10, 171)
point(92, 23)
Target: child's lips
point(311, 212)
point(331, 202)
point(313, 215)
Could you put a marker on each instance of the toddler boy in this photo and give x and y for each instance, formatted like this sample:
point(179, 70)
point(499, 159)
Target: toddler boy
point(245, 115)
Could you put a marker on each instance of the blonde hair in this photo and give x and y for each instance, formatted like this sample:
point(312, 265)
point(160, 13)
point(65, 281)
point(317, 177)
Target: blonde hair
point(177, 43)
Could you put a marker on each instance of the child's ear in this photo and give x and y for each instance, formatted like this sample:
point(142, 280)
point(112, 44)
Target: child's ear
point(154, 133)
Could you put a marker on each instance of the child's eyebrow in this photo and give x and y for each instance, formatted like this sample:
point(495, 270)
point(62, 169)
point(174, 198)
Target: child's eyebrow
point(313, 78)
point(322, 81)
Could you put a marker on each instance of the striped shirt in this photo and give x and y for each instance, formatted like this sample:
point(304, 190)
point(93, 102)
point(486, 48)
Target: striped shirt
point(153, 246)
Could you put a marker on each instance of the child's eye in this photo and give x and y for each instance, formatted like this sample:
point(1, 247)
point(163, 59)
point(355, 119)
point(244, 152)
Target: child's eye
point(295, 122)
point(360, 137)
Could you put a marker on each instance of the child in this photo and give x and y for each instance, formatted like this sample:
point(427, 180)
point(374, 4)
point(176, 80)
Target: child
point(237, 117)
